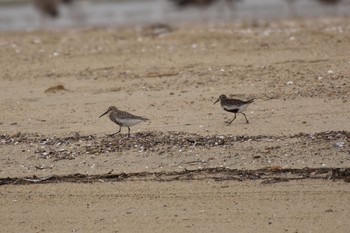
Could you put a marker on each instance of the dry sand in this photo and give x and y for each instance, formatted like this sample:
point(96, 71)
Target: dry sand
point(205, 206)
point(297, 71)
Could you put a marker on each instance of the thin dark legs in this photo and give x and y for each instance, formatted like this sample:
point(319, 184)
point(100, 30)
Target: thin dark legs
point(120, 128)
point(235, 118)
point(232, 119)
point(245, 117)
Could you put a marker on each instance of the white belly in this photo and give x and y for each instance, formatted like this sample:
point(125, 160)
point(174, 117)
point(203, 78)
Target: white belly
point(240, 108)
point(128, 122)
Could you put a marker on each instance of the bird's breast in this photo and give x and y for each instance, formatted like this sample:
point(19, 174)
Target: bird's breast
point(127, 121)
point(230, 107)
point(234, 110)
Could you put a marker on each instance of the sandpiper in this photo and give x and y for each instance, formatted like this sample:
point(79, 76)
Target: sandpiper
point(48, 7)
point(122, 118)
point(200, 3)
point(51, 7)
point(234, 105)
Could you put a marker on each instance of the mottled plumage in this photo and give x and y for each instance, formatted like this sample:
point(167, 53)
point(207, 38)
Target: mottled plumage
point(234, 106)
point(198, 3)
point(123, 119)
point(184, 3)
point(50, 7)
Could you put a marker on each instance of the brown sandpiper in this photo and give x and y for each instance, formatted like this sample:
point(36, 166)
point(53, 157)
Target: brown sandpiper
point(123, 119)
point(234, 106)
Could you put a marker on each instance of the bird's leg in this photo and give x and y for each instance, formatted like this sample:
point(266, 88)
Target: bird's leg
point(120, 128)
point(232, 120)
point(245, 118)
point(128, 132)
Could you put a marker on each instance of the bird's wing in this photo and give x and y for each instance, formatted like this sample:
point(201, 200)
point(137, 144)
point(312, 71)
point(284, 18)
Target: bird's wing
point(235, 102)
point(126, 115)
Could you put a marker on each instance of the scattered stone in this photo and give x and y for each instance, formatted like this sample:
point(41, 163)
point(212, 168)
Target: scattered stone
point(340, 144)
point(55, 89)
point(16, 135)
point(157, 29)
point(76, 135)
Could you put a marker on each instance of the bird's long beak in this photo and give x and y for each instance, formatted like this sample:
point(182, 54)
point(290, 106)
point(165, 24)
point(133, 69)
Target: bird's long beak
point(103, 114)
point(217, 101)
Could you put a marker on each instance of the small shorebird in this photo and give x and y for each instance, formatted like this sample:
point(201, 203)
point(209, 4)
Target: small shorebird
point(48, 7)
point(198, 3)
point(51, 7)
point(234, 105)
point(123, 119)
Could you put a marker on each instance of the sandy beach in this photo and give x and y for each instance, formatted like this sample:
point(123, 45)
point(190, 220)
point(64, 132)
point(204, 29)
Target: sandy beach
point(55, 84)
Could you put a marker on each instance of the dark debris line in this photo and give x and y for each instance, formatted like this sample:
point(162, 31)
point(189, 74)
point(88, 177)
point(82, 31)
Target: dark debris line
point(266, 175)
point(71, 147)
point(162, 138)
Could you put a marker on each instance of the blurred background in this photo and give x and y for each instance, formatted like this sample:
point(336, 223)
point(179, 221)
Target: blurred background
point(41, 14)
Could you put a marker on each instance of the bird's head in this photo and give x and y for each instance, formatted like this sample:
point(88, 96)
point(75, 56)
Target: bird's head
point(110, 109)
point(221, 97)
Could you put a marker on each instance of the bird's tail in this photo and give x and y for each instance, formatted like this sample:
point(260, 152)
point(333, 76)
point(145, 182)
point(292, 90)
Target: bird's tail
point(250, 101)
point(144, 118)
